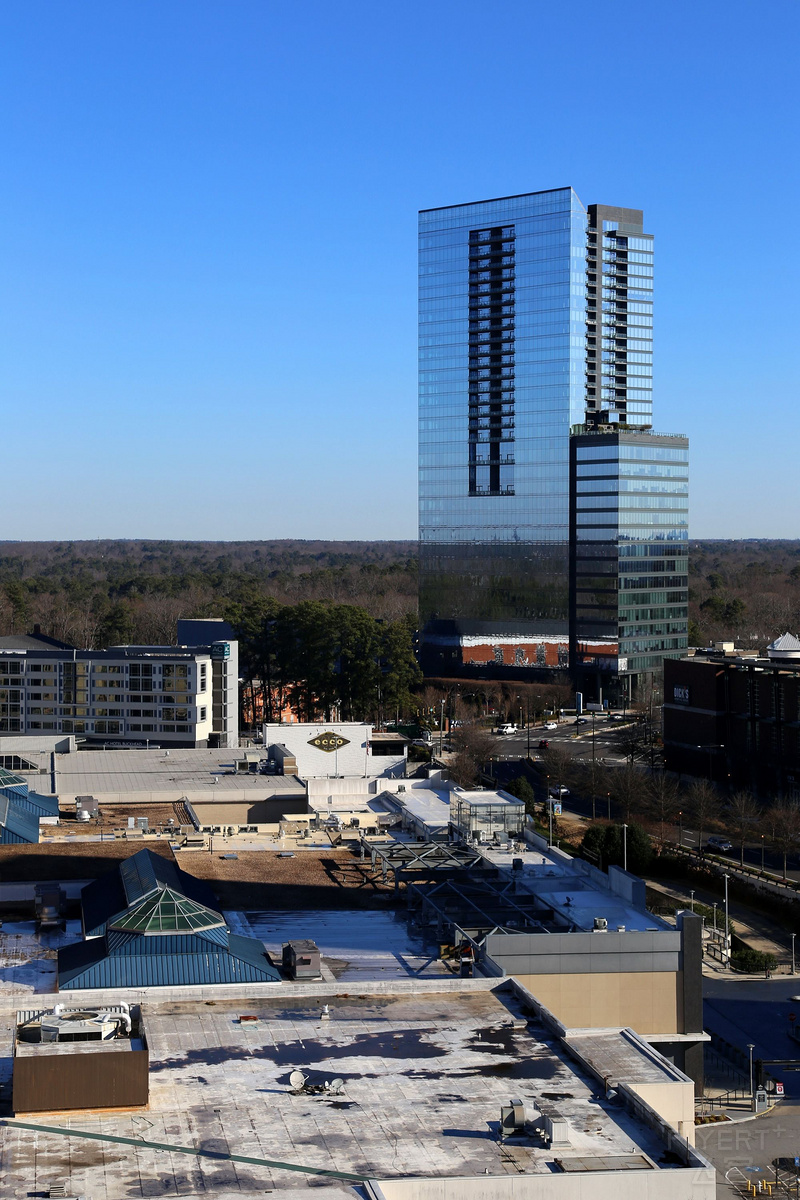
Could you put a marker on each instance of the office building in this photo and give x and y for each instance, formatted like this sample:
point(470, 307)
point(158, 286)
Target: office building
point(125, 695)
point(535, 319)
point(628, 554)
point(733, 716)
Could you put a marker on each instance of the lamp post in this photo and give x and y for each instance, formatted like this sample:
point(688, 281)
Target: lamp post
point(751, 1048)
point(550, 806)
point(691, 900)
point(727, 937)
point(680, 829)
point(794, 935)
point(715, 916)
point(762, 854)
point(624, 847)
point(441, 729)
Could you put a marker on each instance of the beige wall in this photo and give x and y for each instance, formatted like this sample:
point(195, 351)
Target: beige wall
point(647, 1001)
point(672, 1100)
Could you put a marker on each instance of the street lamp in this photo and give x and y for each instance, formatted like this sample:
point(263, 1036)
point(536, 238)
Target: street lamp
point(624, 847)
point(751, 1048)
point(691, 900)
point(715, 916)
point(762, 854)
point(727, 938)
point(680, 828)
point(794, 935)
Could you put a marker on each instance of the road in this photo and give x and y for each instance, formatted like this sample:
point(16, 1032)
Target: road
point(745, 1151)
point(511, 752)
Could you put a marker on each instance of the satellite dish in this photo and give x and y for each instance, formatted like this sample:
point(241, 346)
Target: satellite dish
point(297, 1080)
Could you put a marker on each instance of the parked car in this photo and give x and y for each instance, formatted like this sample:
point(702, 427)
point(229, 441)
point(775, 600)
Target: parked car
point(551, 725)
point(557, 792)
point(506, 729)
point(719, 844)
point(543, 744)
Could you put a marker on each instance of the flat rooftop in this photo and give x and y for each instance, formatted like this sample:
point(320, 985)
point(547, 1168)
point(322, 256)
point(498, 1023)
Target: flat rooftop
point(568, 887)
point(424, 1078)
point(197, 774)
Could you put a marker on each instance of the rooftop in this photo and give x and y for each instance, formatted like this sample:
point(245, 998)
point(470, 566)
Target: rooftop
point(197, 774)
point(424, 1077)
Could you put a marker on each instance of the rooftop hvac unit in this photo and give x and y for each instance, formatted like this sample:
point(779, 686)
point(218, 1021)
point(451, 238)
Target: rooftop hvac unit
point(71, 1025)
point(600, 925)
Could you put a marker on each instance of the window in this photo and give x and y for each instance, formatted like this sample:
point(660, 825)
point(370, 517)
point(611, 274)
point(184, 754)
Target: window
point(202, 714)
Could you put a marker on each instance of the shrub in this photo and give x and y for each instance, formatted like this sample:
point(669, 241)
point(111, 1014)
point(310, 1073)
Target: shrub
point(752, 962)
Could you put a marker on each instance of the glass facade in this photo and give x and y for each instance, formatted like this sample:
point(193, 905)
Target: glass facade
point(629, 532)
point(535, 318)
point(502, 322)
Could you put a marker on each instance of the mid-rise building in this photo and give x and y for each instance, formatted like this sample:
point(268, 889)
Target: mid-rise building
point(733, 716)
point(535, 319)
point(147, 695)
point(629, 586)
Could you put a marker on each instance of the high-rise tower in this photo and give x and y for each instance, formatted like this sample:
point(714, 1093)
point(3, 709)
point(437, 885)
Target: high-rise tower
point(535, 322)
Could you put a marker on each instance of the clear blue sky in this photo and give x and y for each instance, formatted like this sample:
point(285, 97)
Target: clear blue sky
point(208, 241)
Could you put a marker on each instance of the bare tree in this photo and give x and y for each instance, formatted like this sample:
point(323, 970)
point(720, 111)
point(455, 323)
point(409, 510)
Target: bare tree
point(662, 794)
point(629, 790)
point(742, 816)
point(473, 747)
point(559, 767)
point(593, 779)
point(704, 805)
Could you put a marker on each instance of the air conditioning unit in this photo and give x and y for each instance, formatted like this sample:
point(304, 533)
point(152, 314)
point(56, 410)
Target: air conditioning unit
point(600, 925)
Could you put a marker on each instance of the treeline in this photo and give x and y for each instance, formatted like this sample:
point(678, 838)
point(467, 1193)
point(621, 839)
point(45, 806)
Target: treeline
point(743, 591)
point(325, 661)
point(94, 594)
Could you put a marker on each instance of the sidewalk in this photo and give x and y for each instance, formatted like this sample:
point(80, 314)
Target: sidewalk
point(760, 932)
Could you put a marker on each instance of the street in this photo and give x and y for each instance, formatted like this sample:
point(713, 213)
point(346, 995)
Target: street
point(510, 754)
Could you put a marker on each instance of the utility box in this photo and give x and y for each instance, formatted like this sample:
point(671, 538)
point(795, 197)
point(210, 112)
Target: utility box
point(301, 959)
point(760, 1101)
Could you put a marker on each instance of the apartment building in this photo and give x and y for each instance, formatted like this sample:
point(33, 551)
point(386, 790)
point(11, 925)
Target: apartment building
point(121, 696)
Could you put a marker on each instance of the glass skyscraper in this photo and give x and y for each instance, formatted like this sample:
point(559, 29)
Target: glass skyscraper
point(535, 319)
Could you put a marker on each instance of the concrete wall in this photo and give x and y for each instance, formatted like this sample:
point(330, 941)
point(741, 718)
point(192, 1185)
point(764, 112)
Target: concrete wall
point(649, 1002)
point(586, 953)
point(688, 1183)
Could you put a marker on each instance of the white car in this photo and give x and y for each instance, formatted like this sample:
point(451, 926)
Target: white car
point(551, 725)
point(506, 729)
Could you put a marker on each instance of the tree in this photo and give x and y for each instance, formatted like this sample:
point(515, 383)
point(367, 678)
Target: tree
point(784, 825)
point(662, 795)
point(473, 747)
point(522, 789)
point(629, 790)
point(593, 779)
point(742, 815)
point(606, 844)
point(559, 768)
point(704, 805)
point(400, 670)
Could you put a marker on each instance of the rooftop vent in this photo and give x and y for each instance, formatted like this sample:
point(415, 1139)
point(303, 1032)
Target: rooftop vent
point(600, 925)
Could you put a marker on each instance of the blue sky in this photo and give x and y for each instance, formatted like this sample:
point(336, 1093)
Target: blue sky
point(208, 239)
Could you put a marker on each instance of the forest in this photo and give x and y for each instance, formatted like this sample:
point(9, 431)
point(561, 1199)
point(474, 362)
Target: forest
point(103, 592)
